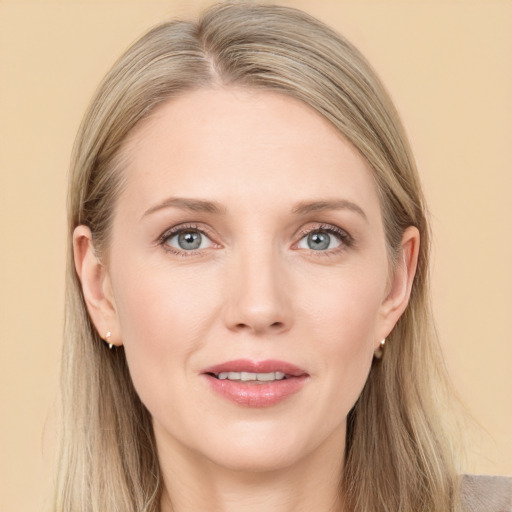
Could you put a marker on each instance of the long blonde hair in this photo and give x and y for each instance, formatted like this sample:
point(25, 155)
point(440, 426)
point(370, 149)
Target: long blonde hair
point(398, 453)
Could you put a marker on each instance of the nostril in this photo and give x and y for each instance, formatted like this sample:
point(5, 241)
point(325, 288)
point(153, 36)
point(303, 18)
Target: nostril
point(275, 325)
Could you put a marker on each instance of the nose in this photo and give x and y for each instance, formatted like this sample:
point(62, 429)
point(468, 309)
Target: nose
point(258, 300)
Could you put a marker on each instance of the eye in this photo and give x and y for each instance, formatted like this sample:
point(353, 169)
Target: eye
point(324, 239)
point(187, 239)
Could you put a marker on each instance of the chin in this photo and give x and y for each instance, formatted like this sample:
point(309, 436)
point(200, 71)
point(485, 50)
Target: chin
point(257, 459)
point(259, 450)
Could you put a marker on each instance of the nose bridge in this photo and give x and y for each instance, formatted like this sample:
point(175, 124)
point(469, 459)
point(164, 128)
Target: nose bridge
point(258, 299)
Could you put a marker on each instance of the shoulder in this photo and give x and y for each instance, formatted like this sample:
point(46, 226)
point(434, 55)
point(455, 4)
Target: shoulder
point(482, 493)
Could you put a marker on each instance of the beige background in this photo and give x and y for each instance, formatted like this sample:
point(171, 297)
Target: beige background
point(448, 66)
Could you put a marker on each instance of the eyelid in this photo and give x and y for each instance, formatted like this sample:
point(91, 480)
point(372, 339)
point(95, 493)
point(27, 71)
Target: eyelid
point(180, 228)
point(343, 235)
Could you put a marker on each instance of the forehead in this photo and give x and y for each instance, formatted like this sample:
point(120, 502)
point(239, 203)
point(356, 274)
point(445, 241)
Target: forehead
point(243, 146)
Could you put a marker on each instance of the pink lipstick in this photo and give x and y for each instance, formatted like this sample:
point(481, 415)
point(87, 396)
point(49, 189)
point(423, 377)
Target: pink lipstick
point(255, 383)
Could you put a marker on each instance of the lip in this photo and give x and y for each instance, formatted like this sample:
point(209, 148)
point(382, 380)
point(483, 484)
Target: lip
point(255, 394)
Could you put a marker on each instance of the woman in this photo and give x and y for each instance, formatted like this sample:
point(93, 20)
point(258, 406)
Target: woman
point(248, 321)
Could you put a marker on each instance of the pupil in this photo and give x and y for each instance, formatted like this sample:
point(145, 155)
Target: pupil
point(189, 240)
point(318, 241)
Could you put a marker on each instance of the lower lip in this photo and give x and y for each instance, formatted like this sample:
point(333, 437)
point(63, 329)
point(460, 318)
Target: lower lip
point(253, 394)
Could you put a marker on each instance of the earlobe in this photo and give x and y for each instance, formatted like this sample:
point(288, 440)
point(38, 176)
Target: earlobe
point(96, 286)
point(399, 293)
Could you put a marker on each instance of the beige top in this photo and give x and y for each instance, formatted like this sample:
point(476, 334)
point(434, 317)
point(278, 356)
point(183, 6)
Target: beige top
point(481, 493)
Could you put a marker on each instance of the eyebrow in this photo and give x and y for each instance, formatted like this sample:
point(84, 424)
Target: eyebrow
point(193, 205)
point(302, 208)
point(306, 207)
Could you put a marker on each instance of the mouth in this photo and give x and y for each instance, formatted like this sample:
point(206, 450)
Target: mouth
point(255, 383)
point(250, 377)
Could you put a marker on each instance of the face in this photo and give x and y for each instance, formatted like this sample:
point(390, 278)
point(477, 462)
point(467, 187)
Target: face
point(248, 277)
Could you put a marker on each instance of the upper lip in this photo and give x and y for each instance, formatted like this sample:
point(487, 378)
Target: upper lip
point(267, 366)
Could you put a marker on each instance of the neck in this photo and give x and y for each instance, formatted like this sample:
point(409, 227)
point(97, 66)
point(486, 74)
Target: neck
point(313, 483)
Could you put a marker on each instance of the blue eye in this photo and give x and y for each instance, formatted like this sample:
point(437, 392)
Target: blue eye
point(188, 240)
point(321, 240)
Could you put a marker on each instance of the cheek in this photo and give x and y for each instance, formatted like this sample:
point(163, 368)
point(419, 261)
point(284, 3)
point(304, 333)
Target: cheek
point(343, 321)
point(163, 318)
point(345, 310)
point(155, 306)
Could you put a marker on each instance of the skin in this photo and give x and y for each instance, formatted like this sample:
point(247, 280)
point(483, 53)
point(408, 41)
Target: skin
point(255, 289)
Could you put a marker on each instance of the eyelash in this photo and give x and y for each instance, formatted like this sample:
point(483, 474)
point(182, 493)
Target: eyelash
point(346, 240)
point(176, 231)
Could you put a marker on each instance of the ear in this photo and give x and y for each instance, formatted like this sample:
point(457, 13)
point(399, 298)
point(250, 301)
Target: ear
point(96, 286)
point(397, 298)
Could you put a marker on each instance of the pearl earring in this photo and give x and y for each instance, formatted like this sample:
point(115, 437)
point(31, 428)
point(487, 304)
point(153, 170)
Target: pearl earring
point(107, 339)
point(379, 352)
